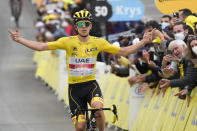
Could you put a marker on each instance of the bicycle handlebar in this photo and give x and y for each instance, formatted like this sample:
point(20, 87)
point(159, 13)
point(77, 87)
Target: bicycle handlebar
point(113, 109)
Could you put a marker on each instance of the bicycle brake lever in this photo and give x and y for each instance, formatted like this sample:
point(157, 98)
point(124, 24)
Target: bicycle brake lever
point(115, 113)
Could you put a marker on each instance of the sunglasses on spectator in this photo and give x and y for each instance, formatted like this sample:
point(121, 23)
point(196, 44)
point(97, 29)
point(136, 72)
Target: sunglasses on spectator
point(81, 23)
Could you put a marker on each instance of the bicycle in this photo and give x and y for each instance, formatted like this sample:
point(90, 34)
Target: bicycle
point(91, 121)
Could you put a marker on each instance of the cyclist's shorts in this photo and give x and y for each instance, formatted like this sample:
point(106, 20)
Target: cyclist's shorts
point(80, 94)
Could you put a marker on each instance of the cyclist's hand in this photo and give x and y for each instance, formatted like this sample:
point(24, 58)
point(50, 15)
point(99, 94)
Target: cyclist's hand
point(158, 33)
point(14, 35)
point(114, 110)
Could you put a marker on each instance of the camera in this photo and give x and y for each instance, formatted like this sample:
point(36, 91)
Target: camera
point(169, 52)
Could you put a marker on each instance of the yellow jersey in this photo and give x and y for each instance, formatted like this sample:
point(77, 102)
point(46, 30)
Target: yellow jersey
point(82, 56)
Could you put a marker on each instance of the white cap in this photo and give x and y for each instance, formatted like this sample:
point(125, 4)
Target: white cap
point(39, 24)
point(135, 41)
point(50, 11)
point(116, 43)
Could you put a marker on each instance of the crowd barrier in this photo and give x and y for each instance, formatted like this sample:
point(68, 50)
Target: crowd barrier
point(166, 113)
point(137, 112)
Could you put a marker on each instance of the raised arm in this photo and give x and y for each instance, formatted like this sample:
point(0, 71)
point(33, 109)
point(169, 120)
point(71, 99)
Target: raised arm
point(125, 51)
point(30, 44)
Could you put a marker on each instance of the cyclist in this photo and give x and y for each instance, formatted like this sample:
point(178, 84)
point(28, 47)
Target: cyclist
point(12, 4)
point(81, 52)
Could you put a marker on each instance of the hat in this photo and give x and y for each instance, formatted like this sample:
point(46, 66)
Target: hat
point(39, 24)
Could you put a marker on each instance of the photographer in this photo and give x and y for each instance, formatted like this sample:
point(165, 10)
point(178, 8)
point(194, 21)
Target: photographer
point(173, 58)
point(159, 43)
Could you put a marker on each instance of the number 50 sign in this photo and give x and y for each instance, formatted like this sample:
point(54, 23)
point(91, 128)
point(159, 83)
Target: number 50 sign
point(101, 10)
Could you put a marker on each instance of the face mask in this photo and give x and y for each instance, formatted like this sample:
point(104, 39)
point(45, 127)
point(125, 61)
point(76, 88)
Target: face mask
point(164, 25)
point(179, 36)
point(194, 49)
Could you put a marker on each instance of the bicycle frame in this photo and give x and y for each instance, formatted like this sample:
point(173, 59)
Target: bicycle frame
point(91, 122)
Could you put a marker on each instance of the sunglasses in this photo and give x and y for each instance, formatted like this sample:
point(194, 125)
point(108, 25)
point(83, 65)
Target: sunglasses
point(81, 23)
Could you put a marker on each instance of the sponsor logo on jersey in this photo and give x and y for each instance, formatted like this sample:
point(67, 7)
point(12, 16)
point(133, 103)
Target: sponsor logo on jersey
point(74, 51)
point(82, 60)
point(74, 54)
point(91, 51)
point(80, 66)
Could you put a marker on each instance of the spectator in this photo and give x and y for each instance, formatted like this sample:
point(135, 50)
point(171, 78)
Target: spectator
point(189, 71)
point(159, 43)
point(166, 25)
point(177, 48)
point(119, 69)
point(69, 27)
point(186, 16)
point(149, 71)
point(139, 29)
point(180, 31)
point(41, 10)
point(150, 25)
point(165, 21)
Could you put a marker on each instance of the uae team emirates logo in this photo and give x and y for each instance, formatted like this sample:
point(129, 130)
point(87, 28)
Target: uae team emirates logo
point(91, 51)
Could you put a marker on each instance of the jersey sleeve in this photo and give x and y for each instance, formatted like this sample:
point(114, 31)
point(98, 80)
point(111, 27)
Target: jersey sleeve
point(59, 44)
point(109, 48)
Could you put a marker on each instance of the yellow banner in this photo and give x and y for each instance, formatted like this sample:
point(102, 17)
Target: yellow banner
point(164, 109)
point(116, 91)
point(185, 112)
point(192, 121)
point(173, 114)
point(170, 6)
point(145, 106)
point(155, 112)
